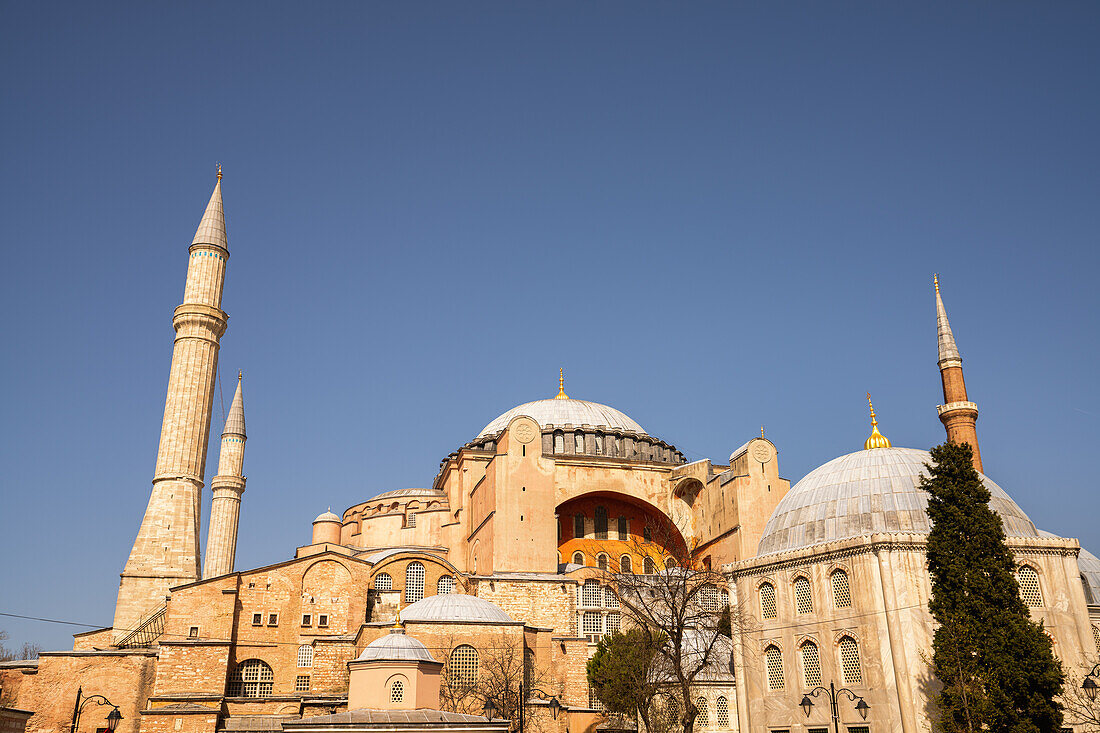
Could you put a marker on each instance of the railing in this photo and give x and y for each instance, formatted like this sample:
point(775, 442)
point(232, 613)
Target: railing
point(148, 630)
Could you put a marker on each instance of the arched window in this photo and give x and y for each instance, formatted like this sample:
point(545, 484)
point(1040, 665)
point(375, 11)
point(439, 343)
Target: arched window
point(601, 523)
point(1029, 586)
point(559, 441)
point(251, 678)
point(623, 529)
point(463, 664)
point(414, 582)
point(708, 597)
point(625, 565)
point(599, 444)
point(591, 594)
point(670, 562)
point(610, 599)
point(802, 600)
point(578, 526)
point(528, 668)
point(445, 585)
point(1096, 637)
point(811, 664)
point(723, 709)
point(849, 661)
point(774, 664)
point(602, 561)
point(767, 601)
point(578, 442)
point(397, 691)
point(842, 595)
point(701, 721)
point(305, 655)
point(383, 581)
point(578, 558)
point(648, 566)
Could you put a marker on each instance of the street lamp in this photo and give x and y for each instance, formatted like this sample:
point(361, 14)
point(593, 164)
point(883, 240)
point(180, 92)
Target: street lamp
point(1089, 685)
point(555, 707)
point(490, 709)
point(81, 702)
point(834, 694)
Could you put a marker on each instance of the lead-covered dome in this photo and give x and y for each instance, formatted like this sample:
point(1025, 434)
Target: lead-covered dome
point(558, 412)
point(396, 647)
point(456, 607)
point(868, 492)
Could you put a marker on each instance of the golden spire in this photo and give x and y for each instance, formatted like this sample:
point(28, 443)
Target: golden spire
point(877, 439)
point(936, 281)
point(398, 624)
point(561, 386)
point(219, 171)
point(240, 374)
point(761, 431)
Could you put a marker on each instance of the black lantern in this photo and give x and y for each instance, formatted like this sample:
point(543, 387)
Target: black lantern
point(862, 707)
point(555, 706)
point(112, 719)
point(490, 708)
point(807, 705)
point(1090, 687)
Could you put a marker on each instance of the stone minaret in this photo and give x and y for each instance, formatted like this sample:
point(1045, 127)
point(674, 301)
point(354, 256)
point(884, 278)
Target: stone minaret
point(958, 415)
point(166, 551)
point(226, 489)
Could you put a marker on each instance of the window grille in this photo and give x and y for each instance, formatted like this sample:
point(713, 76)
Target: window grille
point(383, 581)
point(1029, 586)
point(528, 669)
point(1096, 637)
point(305, 655)
point(594, 702)
point(599, 444)
point(251, 678)
point(859, 729)
point(811, 664)
point(578, 442)
point(701, 721)
point(591, 594)
point(559, 441)
point(818, 730)
point(614, 622)
point(445, 585)
point(397, 691)
point(610, 600)
point(463, 666)
point(591, 623)
point(414, 581)
point(670, 563)
point(722, 708)
point(622, 531)
point(410, 520)
point(578, 526)
point(724, 598)
point(849, 661)
point(709, 598)
point(648, 566)
point(602, 561)
point(578, 558)
point(193, 632)
point(322, 620)
point(842, 595)
point(301, 683)
point(672, 714)
point(307, 619)
point(257, 619)
point(625, 565)
point(803, 602)
point(272, 619)
point(601, 523)
point(647, 533)
point(767, 601)
point(774, 663)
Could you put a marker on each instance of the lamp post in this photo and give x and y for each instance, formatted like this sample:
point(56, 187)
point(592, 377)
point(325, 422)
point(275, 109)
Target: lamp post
point(81, 702)
point(555, 708)
point(834, 694)
point(1089, 685)
point(490, 708)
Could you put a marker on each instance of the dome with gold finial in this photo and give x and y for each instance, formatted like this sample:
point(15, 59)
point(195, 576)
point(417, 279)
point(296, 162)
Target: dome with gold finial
point(876, 439)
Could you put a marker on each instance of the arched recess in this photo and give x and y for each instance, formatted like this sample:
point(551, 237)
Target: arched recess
point(650, 532)
point(683, 504)
point(327, 591)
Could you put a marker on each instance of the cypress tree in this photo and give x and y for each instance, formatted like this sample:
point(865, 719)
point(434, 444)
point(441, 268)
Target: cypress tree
point(996, 666)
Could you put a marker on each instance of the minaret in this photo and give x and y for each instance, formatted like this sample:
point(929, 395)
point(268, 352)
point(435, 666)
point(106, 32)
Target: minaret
point(226, 489)
point(958, 415)
point(166, 551)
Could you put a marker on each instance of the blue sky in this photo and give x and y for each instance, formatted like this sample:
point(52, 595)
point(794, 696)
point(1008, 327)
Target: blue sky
point(713, 216)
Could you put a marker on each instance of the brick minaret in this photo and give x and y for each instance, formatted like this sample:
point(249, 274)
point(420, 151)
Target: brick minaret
point(166, 551)
point(958, 414)
point(226, 489)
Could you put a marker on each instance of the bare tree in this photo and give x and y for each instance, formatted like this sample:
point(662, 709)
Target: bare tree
point(506, 674)
point(1079, 709)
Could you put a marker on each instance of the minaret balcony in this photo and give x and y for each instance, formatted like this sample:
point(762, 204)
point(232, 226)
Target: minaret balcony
point(952, 406)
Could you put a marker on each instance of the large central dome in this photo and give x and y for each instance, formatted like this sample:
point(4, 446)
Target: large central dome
point(564, 411)
point(868, 492)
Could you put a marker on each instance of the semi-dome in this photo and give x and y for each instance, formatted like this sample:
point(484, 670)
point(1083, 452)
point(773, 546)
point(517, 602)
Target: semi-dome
point(565, 411)
point(396, 647)
point(456, 607)
point(867, 492)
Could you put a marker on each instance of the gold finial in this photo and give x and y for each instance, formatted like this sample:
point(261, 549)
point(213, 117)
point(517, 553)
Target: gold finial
point(240, 374)
point(936, 281)
point(877, 439)
point(761, 431)
point(398, 624)
point(219, 171)
point(561, 386)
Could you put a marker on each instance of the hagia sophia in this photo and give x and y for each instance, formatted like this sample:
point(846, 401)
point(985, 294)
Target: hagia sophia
point(404, 602)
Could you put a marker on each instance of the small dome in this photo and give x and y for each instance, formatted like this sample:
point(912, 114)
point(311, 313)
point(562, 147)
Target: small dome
point(327, 517)
point(558, 412)
point(396, 647)
point(867, 492)
point(456, 607)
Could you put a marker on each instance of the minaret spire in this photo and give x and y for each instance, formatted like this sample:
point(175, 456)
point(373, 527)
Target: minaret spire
point(226, 489)
point(958, 414)
point(166, 551)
